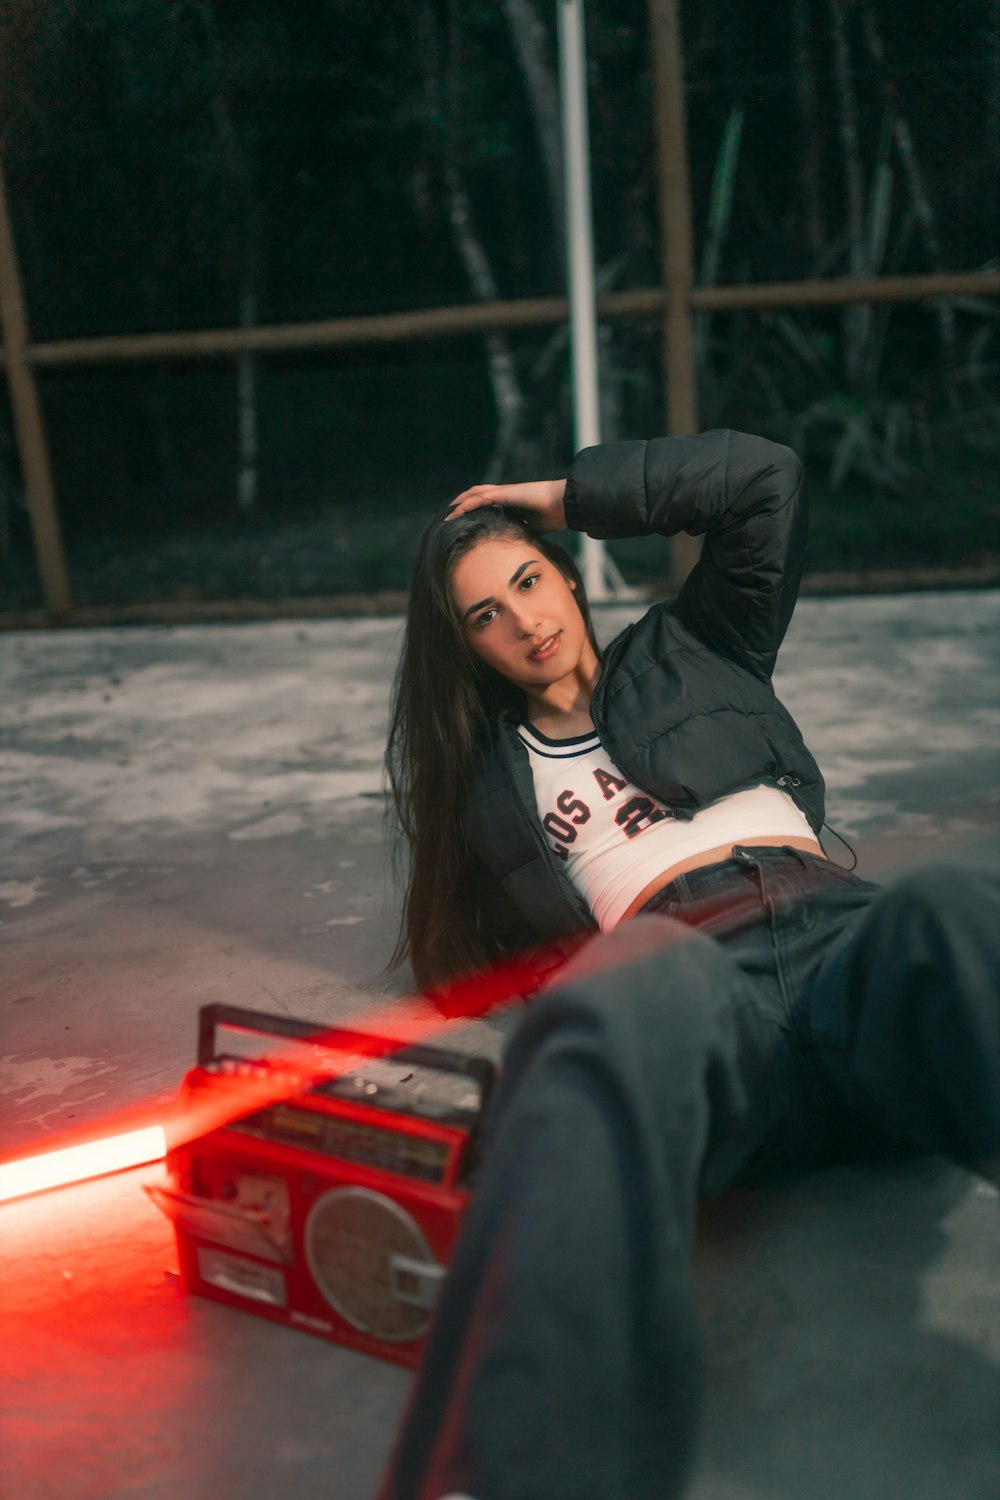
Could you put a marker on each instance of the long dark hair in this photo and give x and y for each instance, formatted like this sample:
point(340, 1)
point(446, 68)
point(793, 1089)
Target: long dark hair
point(445, 700)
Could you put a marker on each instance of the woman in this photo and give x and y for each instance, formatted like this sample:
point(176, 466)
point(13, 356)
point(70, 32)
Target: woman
point(734, 1005)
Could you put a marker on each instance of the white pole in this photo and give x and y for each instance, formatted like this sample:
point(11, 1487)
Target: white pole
point(580, 259)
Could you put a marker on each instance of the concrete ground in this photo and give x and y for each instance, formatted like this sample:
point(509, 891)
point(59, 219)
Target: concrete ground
point(194, 814)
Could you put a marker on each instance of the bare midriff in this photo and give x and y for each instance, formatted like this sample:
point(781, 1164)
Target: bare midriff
point(712, 857)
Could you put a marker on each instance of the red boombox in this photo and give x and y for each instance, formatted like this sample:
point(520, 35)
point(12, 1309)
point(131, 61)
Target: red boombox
point(334, 1210)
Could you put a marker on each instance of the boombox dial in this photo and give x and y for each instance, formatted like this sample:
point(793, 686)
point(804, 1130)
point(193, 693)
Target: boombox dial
point(372, 1263)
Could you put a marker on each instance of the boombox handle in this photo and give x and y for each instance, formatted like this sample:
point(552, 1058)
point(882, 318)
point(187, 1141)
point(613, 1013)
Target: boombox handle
point(259, 1023)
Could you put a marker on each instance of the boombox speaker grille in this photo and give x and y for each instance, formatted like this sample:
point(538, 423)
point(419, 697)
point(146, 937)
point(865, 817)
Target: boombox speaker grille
point(355, 1241)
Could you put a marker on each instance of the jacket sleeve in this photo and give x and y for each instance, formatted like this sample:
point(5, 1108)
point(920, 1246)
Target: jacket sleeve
point(516, 964)
point(501, 923)
point(743, 494)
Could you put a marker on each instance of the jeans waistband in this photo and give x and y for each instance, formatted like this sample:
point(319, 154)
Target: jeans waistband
point(727, 896)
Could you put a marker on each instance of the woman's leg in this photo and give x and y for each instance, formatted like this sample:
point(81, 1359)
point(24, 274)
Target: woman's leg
point(905, 1020)
point(564, 1362)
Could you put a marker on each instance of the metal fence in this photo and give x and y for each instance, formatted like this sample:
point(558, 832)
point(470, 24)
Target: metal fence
point(274, 282)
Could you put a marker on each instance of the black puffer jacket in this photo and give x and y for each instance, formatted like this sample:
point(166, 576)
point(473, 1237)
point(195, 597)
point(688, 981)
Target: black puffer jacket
point(684, 703)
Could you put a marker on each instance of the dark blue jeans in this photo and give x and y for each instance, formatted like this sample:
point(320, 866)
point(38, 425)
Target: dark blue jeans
point(770, 1013)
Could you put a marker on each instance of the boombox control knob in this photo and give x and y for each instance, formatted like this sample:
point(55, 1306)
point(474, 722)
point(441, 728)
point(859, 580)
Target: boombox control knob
point(371, 1261)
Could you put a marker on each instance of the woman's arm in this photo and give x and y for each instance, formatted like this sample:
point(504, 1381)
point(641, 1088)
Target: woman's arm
point(543, 498)
point(743, 493)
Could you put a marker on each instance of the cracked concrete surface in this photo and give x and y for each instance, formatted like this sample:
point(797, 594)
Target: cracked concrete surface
point(191, 814)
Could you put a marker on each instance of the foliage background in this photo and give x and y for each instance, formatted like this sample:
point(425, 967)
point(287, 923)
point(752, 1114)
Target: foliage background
point(202, 163)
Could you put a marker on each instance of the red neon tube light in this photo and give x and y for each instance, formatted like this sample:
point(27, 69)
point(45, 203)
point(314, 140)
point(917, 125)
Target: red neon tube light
point(33, 1174)
point(133, 1148)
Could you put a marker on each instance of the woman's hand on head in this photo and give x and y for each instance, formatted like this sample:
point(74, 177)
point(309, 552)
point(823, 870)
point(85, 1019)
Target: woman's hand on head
point(542, 497)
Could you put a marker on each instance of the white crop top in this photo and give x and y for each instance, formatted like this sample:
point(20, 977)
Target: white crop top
point(615, 839)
